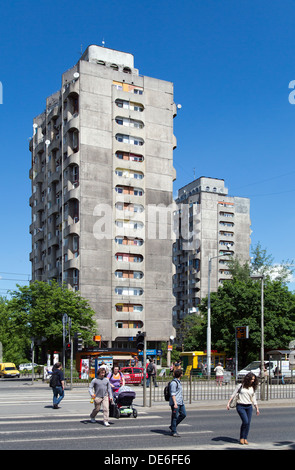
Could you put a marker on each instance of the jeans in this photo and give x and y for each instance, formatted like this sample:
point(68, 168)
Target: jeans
point(245, 412)
point(154, 378)
point(178, 414)
point(58, 391)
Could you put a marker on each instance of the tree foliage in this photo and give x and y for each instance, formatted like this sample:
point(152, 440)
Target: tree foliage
point(238, 303)
point(36, 311)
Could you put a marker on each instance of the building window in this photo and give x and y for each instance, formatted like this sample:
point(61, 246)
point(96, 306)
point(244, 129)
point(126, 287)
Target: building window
point(121, 240)
point(129, 139)
point(129, 105)
point(129, 324)
point(129, 257)
point(129, 190)
point(126, 274)
point(129, 122)
point(125, 173)
point(132, 157)
point(226, 214)
point(128, 291)
point(136, 308)
point(128, 87)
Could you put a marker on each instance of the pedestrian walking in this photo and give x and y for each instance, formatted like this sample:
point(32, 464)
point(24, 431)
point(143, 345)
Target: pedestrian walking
point(219, 374)
point(58, 384)
point(101, 392)
point(152, 373)
point(246, 398)
point(171, 369)
point(116, 378)
point(178, 412)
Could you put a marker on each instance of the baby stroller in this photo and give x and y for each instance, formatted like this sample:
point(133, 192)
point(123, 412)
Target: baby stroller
point(123, 403)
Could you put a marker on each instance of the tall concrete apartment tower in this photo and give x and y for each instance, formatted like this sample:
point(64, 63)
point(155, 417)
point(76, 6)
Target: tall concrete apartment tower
point(210, 224)
point(102, 153)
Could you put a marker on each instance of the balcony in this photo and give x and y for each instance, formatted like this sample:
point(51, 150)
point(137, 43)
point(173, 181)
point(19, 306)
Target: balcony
point(72, 264)
point(72, 229)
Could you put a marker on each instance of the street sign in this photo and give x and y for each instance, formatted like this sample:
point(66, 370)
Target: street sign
point(152, 352)
point(292, 360)
point(242, 332)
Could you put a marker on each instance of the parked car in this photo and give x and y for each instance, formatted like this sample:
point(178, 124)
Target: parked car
point(270, 366)
point(8, 369)
point(27, 366)
point(132, 375)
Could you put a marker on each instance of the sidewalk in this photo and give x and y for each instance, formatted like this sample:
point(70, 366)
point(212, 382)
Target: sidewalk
point(39, 394)
point(219, 404)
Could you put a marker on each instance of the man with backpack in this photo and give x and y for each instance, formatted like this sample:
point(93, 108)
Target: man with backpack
point(57, 382)
point(152, 373)
point(176, 402)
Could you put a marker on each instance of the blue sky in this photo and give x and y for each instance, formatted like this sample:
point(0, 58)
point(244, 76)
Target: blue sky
point(231, 63)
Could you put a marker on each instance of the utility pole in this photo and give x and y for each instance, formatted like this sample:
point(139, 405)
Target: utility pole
point(33, 358)
point(261, 277)
point(64, 332)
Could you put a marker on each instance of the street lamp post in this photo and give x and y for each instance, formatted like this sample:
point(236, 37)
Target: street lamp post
point(261, 277)
point(209, 312)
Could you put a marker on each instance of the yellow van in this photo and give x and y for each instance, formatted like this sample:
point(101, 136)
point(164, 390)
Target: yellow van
point(8, 369)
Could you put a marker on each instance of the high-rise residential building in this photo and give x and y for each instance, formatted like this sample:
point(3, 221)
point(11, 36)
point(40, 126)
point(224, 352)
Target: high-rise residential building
point(211, 224)
point(102, 163)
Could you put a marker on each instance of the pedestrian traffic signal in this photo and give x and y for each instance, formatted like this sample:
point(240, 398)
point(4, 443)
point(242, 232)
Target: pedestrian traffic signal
point(140, 341)
point(68, 346)
point(78, 342)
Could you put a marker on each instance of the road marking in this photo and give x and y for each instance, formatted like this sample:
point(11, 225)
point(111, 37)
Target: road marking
point(91, 436)
point(33, 402)
point(19, 431)
point(52, 419)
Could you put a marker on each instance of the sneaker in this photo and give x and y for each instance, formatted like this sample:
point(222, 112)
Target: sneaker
point(106, 423)
point(92, 420)
point(175, 434)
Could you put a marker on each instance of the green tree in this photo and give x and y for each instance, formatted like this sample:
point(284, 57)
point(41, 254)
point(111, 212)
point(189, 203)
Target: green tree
point(238, 303)
point(263, 263)
point(36, 311)
point(191, 333)
point(13, 342)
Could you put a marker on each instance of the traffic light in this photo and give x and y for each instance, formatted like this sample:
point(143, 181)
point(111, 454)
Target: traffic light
point(78, 342)
point(140, 341)
point(68, 349)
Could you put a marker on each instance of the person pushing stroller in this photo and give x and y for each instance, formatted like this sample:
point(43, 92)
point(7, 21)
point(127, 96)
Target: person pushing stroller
point(116, 379)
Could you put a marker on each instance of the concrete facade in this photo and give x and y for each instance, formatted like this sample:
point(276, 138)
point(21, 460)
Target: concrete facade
point(210, 223)
point(102, 160)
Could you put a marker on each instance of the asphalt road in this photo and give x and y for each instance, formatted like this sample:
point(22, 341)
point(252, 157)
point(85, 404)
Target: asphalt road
point(28, 422)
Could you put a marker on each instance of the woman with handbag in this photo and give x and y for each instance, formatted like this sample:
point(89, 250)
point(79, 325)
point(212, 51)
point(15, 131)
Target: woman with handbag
point(244, 396)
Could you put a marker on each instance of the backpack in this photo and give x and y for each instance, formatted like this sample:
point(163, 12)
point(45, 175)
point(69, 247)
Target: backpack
point(150, 368)
point(54, 380)
point(167, 393)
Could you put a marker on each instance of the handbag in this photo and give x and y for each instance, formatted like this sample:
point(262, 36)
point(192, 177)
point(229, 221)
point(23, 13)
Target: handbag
point(234, 401)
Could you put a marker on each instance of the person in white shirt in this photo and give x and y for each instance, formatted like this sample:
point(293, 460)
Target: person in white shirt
point(245, 401)
point(219, 374)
